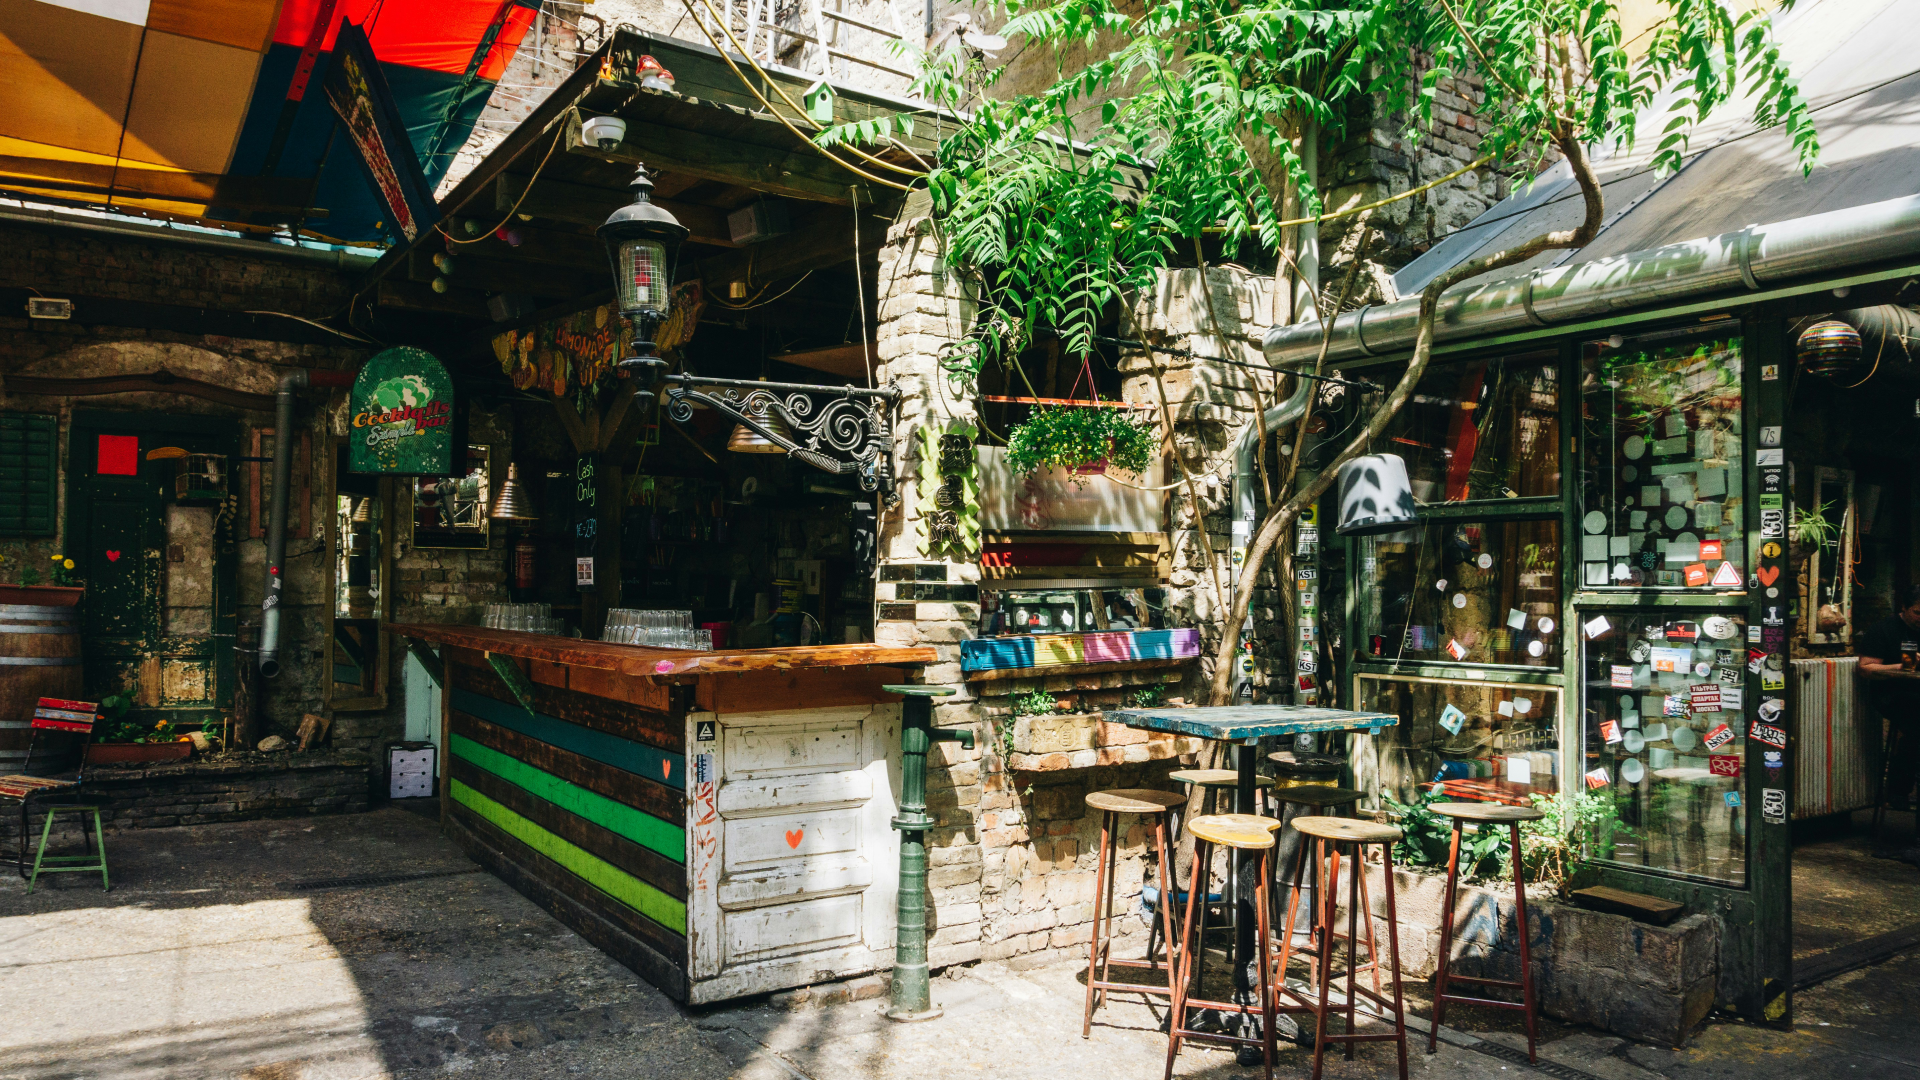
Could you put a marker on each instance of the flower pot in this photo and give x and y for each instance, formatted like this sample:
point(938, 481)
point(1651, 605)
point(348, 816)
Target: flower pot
point(1091, 468)
point(41, 595)
point(141, 753)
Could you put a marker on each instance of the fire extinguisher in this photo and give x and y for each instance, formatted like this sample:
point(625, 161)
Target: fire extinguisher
point(523, 566)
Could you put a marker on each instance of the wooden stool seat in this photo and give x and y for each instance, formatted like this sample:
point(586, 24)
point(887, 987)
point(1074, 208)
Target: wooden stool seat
point(1486, 811)
point(1346, 830)
point(1232, 832)
point(1258, 821)
point(1318, 795)
point(1135, 800)
point(1215, 778)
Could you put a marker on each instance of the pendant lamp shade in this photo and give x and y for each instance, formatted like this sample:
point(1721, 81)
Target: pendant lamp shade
point(511, 505)
point(745, 440)
point(1375, 496)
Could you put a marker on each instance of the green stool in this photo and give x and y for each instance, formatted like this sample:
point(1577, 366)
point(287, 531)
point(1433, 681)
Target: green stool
point(94, 859)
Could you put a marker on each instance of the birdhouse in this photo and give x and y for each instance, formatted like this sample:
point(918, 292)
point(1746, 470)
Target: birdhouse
point(200, 479)
point(819, 102)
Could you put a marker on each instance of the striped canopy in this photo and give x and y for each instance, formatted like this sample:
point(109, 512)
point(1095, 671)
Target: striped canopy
point(212, 110)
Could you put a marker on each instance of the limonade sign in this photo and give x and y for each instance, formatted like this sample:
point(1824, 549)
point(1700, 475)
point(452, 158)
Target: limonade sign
point(400, 421)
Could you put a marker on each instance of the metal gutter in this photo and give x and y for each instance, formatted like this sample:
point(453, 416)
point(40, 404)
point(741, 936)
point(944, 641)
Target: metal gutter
point(1734, 266)
point(31, 217)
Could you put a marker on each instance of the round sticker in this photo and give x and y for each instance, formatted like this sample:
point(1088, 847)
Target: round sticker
point(1640, 651)
point(1441, 585)
point(1536, 648)
point(1676, 516)
point(1775, 662)
point(1545, 624)
point(1632, 771)
point(1703, 669)
point(1522, 706)
point(1634, 448)
point(1684, 738)
point(1629, 473)
point(1718, 626)
point(1635, 742)
point(1770, 549)
point(1626, 701)
point(1595, 522)
point(1771, 708)
point(1485, 561)
point(1459, 599)
point(1686, 538)
point(1773, 593)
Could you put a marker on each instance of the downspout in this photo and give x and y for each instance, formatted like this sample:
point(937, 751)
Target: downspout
point(1244, 509)
point(290, 384)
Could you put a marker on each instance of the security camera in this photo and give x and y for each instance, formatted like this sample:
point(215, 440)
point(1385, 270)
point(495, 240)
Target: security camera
point(605, 131)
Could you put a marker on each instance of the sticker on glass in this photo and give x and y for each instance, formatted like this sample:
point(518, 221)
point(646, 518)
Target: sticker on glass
point(1459, 599)
point(1632, 771)
point(1599, 778)
point(1768, 734)
point(1545, 625)
point(1452, 719)
point(1718, 737)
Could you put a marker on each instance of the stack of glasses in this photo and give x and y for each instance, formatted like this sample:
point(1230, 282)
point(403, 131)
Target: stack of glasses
point(657, 629)
point(532, 618)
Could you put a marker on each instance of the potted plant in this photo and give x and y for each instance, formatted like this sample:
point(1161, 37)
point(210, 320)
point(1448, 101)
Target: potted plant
point(119, 741)
point(1082, 440)
point(65, 591)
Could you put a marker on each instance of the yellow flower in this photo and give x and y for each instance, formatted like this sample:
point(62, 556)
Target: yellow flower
point(68, 564)
point(55, 558)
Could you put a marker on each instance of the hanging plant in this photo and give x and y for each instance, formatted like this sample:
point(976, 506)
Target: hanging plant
point(1076, 439)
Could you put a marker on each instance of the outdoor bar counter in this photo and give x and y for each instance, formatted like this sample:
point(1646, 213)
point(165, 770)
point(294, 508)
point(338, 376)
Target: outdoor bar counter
point(717, 821)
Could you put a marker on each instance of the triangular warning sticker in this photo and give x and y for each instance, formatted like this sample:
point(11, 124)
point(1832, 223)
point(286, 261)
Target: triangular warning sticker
point(1727, 576)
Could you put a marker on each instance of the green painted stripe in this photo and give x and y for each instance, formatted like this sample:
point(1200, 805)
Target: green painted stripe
point(634, 757)
point(618, 818)
point(585, 865)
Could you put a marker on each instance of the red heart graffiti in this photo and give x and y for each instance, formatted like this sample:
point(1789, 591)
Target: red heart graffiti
point(794, 837)
point(113, 556)
point(666, 769)
point(1767, 574)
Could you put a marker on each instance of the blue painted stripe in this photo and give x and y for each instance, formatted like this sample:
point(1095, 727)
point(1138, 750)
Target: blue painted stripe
point(634, 757)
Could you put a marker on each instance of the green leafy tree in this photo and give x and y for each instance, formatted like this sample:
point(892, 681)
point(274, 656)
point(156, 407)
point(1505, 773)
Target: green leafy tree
point(1193, 115)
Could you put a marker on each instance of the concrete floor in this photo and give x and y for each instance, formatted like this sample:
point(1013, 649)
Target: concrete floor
point(203, 962)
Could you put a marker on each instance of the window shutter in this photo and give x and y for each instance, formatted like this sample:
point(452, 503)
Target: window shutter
point(29, 477)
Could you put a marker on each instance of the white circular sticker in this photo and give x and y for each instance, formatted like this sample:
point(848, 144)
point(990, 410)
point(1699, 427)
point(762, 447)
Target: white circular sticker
point(1703, 670)
point(1718, 626)
point(1676, 516)
point(1626, 701)
point(1635, 742)
point(1629, 473)
point(1459, 599)
point(1522, 706)
point(1441, 585)
point(1536, 648)
point(1485, 561)
point(1545, 624)
point(1640, 651)
point(1634, 448)
point(1632, 771)
point(1684, 738)
point(1773, 592)
point(1595, 522)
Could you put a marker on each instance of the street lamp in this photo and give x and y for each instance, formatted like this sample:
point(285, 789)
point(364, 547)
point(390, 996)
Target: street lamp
point(641, 239)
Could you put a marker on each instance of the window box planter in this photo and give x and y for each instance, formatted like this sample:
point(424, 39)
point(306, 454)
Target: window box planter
point(41, 595)
point(143, 753)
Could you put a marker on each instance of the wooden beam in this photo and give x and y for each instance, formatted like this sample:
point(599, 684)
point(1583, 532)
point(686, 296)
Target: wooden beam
point(799, 173)
point(585, 204)
point(415, 296)
point(824, 240)
point(498, 275)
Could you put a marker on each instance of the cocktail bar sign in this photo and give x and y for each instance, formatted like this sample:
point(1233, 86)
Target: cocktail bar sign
point(402, 415)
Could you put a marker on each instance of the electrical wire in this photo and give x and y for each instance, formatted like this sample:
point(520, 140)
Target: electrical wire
point(859, 285)
point(756, 302)
point(320, 325)
point(559, 132)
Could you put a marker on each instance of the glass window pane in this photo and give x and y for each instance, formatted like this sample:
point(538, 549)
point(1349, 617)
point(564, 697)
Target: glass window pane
point(1661, 463)
point(1489, 429)
point(1485, 593)
point(1665, 694)
point(1486, 742)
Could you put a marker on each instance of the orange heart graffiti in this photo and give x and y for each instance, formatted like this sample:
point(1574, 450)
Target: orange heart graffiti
point(794, 837)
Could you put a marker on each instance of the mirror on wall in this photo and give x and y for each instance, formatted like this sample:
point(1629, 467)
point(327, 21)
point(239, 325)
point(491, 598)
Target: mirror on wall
point(451, 511)
point(359, 580)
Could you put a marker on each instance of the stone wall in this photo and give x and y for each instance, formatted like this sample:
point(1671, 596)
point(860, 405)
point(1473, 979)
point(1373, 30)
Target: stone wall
point(196, 792)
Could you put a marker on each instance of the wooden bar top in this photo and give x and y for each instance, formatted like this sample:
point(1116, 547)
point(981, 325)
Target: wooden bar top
point(642, 660)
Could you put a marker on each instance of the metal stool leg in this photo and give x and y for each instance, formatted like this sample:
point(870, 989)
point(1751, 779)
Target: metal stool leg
point(1101, 855)
point(1393, 948)
point(1262, 900)
point(1446, 941)
point(1169, 909)
point(1176, 1020)
point(1328, 857)
point(41, 854)
point(1526, 955)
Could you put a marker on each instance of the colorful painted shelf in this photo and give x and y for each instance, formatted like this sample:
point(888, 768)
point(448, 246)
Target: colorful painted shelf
point(1060, 650)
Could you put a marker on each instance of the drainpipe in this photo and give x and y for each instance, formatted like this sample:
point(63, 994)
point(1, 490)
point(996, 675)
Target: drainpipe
point(290, 384)
point(1887, 332)
point(1244, 509)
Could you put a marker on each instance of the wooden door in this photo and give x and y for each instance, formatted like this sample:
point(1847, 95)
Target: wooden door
point(791, 859)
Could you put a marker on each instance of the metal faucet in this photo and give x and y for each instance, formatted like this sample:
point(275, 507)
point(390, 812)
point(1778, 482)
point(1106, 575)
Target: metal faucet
point(912, 994)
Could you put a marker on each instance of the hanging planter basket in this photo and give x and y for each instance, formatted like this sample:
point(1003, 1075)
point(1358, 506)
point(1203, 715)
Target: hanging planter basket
point(1082, 440)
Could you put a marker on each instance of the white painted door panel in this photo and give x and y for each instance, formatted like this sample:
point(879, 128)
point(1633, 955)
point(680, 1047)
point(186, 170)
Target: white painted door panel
point(788, 835)
point(793, 928)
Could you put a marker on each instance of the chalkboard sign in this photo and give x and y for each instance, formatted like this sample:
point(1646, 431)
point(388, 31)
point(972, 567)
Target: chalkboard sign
point(401, 415)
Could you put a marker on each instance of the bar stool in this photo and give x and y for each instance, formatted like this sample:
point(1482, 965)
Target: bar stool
point(1214, 781)
point(1511, 816)
point(1245, 833)
point(1330, 834)
point(1328, 801)
point(1111, 804)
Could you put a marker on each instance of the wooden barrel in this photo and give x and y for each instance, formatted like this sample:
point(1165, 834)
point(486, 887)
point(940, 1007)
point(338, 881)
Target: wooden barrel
point(39, 657)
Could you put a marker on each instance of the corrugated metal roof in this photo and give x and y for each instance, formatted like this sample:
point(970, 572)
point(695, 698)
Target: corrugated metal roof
point(1858, 63)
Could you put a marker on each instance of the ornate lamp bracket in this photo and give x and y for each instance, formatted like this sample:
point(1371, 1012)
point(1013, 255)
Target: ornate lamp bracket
point(848, 433)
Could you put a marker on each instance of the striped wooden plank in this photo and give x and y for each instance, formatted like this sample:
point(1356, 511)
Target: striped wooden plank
point(581, 863)
point(19, 787)
point(649, 949)
point(666, 837)
point(638, 758)
point(617, 784)
point(610, 713)
point(643, 863)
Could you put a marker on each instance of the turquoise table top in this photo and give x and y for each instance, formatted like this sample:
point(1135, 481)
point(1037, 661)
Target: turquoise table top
point(1233, 722)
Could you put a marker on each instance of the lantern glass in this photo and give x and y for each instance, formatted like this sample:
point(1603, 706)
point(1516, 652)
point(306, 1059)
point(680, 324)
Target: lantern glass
point(643, 275)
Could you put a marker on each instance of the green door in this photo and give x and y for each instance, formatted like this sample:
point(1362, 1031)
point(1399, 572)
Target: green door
point(160, 569)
